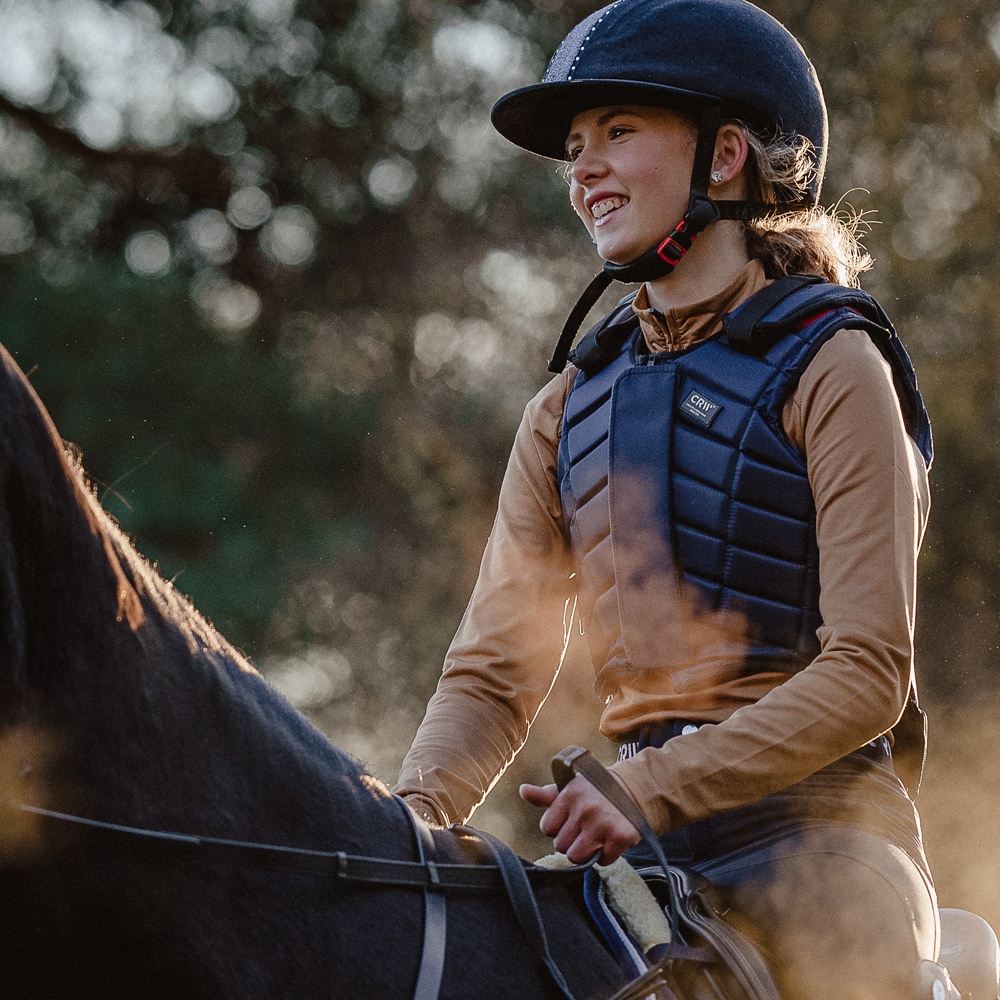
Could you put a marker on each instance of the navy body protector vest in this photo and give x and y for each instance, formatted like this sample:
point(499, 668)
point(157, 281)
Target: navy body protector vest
point(688, 510)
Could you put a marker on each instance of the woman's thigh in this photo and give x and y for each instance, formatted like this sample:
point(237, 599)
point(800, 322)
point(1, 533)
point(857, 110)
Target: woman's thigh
point(842, 913)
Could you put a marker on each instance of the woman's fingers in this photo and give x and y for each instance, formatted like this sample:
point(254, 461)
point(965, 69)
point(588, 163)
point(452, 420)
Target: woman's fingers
point(538, 795)
point(580, 820)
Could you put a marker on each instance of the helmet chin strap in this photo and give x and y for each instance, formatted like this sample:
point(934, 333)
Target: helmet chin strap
point(660, 260)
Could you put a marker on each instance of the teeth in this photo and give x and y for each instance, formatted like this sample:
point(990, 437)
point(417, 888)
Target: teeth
point(603, 207)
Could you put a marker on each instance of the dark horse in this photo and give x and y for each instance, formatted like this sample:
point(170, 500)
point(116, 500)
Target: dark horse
point(118, 702)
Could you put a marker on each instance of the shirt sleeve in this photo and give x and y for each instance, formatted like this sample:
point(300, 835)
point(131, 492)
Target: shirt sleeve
point(870, 489)
point(508, 648)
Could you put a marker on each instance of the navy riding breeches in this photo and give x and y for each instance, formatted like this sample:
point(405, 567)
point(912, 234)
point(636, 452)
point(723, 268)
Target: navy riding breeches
point(828, 876)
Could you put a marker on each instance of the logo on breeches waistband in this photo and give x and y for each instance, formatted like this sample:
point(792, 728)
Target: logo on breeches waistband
point(700, 407)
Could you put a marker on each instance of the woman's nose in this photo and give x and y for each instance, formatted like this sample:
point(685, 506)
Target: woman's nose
point(588, 164)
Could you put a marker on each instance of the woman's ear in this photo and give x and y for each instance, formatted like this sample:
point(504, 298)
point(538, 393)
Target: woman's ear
point(731, 148)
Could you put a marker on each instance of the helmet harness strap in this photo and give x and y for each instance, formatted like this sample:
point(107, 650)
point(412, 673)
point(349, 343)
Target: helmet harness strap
point(660, 260)
point(702, 211)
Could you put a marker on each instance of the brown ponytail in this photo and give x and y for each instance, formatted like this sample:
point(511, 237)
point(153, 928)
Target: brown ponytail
point(806, 241)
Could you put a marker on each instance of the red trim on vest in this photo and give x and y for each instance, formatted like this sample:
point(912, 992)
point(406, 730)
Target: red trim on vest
point(816, 317)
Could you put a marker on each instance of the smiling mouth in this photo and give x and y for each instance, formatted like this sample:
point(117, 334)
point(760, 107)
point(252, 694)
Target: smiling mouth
point(603, 208)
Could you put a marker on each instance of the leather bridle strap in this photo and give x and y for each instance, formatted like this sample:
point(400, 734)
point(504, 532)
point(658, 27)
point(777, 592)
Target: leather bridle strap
point(576, 760)
point(525, 906)
point(509, 873)
point(431, 972)
point(329, 864)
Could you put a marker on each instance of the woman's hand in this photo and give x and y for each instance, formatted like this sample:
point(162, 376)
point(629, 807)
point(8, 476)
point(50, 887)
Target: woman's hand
point(580, 820)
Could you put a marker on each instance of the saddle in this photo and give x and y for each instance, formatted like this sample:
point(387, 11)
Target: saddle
point(706, 958)
point(693, 954)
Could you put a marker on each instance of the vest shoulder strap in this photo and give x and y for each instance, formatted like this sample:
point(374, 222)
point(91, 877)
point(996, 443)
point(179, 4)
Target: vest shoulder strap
point(604, 341)
point(790, 302)
point(799, 300)
point(741, 325)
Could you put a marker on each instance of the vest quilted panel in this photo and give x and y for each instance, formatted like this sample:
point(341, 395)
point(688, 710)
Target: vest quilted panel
point(684, 499)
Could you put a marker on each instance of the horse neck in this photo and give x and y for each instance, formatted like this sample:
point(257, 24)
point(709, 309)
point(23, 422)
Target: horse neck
point(171, 728)
point(153, 718)
point(56, 574)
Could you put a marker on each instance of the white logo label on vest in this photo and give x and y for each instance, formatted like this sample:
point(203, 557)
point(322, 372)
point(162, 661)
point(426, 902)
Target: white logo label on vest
point(700, 407)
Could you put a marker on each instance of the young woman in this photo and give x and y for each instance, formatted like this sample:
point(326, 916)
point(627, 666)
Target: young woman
point(731, 477)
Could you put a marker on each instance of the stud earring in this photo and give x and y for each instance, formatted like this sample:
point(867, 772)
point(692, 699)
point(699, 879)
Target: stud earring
point(716, 176)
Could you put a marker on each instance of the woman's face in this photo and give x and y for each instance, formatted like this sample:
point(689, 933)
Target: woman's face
point(630, 176)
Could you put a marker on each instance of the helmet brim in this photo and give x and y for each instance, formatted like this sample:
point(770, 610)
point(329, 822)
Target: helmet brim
point(538, 118)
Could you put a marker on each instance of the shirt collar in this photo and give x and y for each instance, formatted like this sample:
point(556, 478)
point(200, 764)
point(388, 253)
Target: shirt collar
point(684, 326)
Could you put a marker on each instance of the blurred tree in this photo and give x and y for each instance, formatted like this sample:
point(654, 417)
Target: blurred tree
point(286, 289)
point(279, 280)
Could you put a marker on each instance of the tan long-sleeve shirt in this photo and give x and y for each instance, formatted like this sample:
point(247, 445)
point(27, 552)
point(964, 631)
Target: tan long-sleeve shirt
point(871, 493)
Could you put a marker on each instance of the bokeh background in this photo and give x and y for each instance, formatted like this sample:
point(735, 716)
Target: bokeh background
point(275, 277)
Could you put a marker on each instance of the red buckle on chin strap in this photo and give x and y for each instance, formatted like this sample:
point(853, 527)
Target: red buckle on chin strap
point(671, 250)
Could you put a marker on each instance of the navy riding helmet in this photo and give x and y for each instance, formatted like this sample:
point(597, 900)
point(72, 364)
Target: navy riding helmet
point(712, 58)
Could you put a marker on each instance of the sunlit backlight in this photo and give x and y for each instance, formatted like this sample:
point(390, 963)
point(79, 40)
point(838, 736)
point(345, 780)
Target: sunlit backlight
point(320, 92)
point(335, 193)
point(223, 46)
point(130, 79)
point(391, 180)
point(994, 36)
point(290, 235)
point(249, 207)
point(207, 96)
point(438, 340)
point(470, 139)
point(299, 48)
point(270, 12)
point(227, 138)
point(227, 305)
point(487, 48)
point(99, 125)
point(515, 279)
point(58, 266)
point(17, 231)
point(212, 236)
point(148, 254)
point(217, 6)
point(25, 757)
point(251, 167)
point(933, 163)
point(21, 151)
point(313, 678)
point(343, 107)
point(29, 65)
point(460, 188)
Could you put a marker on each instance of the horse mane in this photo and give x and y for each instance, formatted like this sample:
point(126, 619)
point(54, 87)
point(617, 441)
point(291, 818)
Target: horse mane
point(134, 577)
point(139, 581)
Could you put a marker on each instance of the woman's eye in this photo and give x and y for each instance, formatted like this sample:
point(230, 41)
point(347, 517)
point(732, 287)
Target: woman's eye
point(617, 131)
